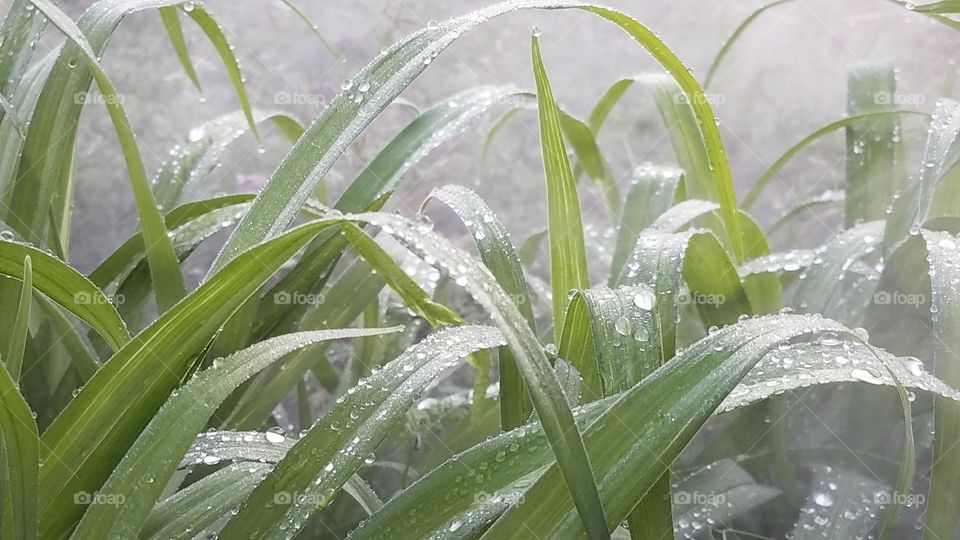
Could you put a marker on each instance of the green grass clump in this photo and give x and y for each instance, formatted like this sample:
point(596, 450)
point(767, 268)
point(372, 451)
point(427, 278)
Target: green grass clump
point(295, 392)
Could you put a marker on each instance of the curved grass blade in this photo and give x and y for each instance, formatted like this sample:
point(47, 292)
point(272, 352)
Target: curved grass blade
point(66, 287)
point(142, 474)
point(652, 192)
point(773, 170)
point(728, 44)
point(590, 159)
point(191, 163)
point(313, 28)
point(941, 154)
point(202, 503)
point(19, 459)
point(498, 254)
point(333, 449)
point(21, 30)
point(819, 287)
point(828, 199)
point(395, 69)
point(92, 433)
point(171, 22)
point(21, 326)
point(943, 506)
point(164, 266)
point(875, 162)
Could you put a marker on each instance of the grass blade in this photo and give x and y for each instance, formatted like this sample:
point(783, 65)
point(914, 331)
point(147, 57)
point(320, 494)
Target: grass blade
point(499, 255)
point(21, 326)
point(67, 287)
point(764, 180)
point(875, 162)
point(164, 266)
point(322, 460)
point(568, 254)
point(728, 44)
point(142, 474)
point(18, 435)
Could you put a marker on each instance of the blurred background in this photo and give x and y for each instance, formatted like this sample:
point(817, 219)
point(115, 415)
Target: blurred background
point(785, 78)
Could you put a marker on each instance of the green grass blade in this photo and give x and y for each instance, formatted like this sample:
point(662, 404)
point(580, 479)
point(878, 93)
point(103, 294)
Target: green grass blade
point(940, 155)
point(171, 22)
point(19, 459)
point(729, 43)
point(67, 287)
point(499, 255)
point(143, 473)
point(21, 326)
point(214, 33)
point(164, 266)
point(191, 163)
point(590, 160)
point(652, 192)
point(92, 433)
point(568, 254)
point(678, 116)
point(764, 180)
point(313, 28)
point(202, 503)
point(332, 450)
point(875, 162)
point(823, 280)
point(943, 504)
point(19, 35)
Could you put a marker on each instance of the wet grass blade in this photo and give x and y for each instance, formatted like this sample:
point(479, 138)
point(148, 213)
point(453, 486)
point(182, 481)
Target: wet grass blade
point(164, 265)
point(499, 255)
point(943, 505)
point(67, 287)
point(141, 476)
point(764, 180)
point(19, 459)
point(875, 162)
point(21, 326)
point(332, 450)
point(171, 22)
